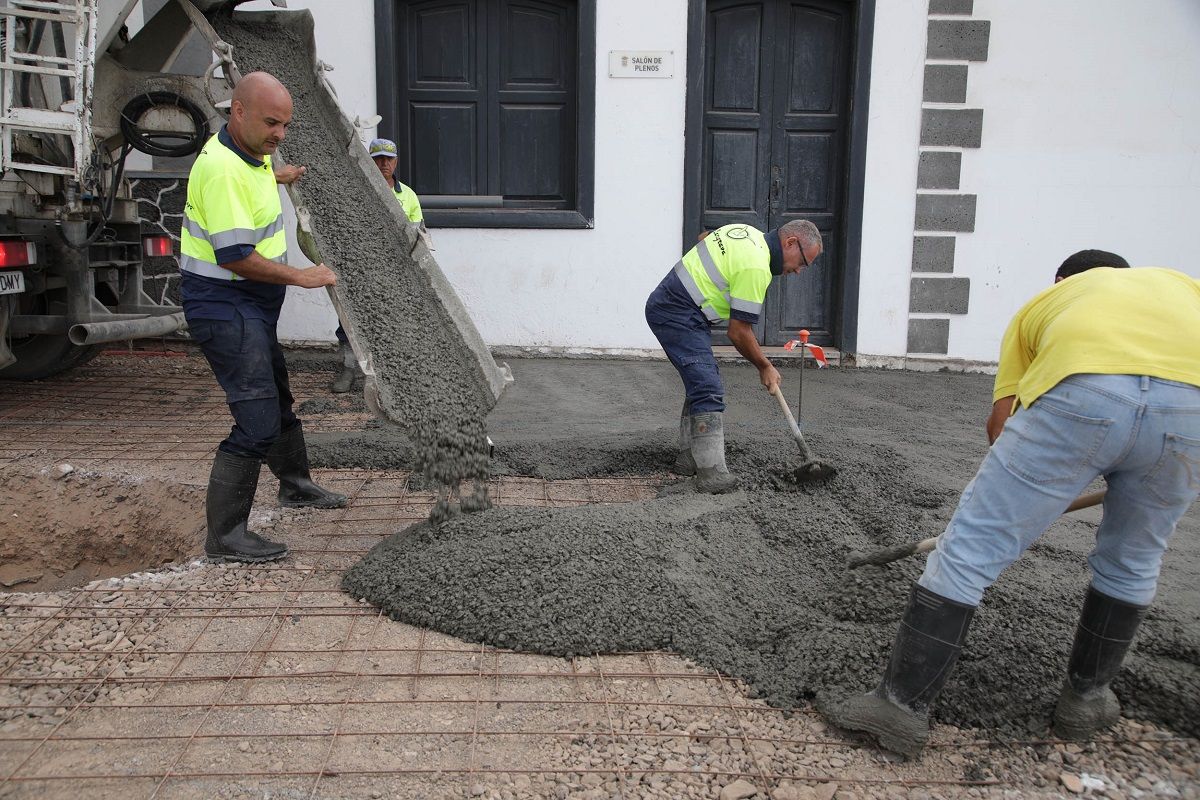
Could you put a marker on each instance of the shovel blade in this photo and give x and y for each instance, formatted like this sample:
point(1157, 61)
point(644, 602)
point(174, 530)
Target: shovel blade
point(813, 472)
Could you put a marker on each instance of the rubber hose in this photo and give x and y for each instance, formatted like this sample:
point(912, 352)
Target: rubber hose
point(146, 141)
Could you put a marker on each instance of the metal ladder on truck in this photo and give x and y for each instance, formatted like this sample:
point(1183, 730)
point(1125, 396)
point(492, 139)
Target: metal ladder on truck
point(71, 116)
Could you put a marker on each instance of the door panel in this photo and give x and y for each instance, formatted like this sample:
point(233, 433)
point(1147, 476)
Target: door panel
point(737, 131)
point(808, 167)
point(737, 152)
point(776, 115)
point(810, 116)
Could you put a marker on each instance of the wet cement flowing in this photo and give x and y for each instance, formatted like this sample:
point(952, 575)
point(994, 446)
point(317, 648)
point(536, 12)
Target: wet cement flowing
point(754, 584)
point(429, 382)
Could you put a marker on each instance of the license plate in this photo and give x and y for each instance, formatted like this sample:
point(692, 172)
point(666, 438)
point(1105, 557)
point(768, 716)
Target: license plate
point(12, 282)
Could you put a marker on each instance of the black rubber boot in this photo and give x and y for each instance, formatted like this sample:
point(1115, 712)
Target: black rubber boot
point(1087, 704)
point(927, 645)
point(684, 463)
point(708, 450)
point(350, 370)
point(231, 487)
point(288, 460)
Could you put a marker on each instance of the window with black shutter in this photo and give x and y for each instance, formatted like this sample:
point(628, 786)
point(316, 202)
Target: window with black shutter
point(490, 103)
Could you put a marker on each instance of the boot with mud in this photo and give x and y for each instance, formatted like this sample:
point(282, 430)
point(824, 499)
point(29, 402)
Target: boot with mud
point(350, 370)
point(684, 463)
point(896, 714)
point(1087, 704)
point(231, 487)
point(288, 460)
point(708, 452)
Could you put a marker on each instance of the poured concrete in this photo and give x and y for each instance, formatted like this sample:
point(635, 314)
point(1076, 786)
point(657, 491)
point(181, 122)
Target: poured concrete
point(754, 583)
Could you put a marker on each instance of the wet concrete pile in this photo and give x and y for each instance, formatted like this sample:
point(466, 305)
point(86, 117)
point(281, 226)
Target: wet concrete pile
point(754, 584)
point(429, 381)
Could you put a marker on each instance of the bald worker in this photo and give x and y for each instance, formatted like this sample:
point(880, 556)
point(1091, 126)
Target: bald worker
point(234, 274)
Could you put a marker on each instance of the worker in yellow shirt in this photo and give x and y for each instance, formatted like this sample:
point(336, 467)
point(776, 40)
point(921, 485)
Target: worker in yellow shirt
point(383, 153)
point(1076, 397)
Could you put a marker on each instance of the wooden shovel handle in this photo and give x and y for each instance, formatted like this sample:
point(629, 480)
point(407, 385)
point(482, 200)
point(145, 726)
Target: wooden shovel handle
point(787, 410)
point(1087, 500)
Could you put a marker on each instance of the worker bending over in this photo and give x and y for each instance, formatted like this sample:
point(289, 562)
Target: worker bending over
point(233, 279)
point(383, 154)
point(1073, 402)
point(724, 277)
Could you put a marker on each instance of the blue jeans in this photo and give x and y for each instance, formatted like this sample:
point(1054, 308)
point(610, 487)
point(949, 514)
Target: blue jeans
point(1141, 433)
point(247, 360)
point(685, 336)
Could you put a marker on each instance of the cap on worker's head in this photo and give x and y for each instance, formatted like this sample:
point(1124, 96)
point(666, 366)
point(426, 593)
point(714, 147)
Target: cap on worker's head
point(382, 147)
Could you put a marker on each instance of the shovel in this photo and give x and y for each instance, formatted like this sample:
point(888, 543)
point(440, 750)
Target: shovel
point(810, 470)
point(896, 552)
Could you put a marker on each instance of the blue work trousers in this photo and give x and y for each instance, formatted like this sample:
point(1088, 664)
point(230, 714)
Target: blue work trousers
point(685, 335)
point(245, 355)
point(1141, 433)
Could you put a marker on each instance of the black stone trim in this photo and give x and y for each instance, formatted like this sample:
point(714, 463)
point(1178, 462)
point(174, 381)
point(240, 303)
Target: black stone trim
point(945, 83)
point(951, 127)
point(939, 296)
point(939, 169)
point(958, 40)
point(929, 336)
point(966, 7)
point(933, 253)
point(946, 212)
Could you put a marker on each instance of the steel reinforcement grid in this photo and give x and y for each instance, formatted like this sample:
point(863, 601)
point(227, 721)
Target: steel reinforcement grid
point(204, 680)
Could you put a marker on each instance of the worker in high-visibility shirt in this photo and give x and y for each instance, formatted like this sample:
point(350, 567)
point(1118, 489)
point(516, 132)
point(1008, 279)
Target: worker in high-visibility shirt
point(233, 279)
point(383, 153)
point(724, 277)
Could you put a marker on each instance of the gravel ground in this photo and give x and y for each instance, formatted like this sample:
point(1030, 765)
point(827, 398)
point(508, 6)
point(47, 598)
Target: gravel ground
point(257, 682)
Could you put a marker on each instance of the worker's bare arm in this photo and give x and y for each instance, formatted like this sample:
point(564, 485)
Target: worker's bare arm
point(256, 268)
point(743, 338)
point(1001, 411)
point(288, 173)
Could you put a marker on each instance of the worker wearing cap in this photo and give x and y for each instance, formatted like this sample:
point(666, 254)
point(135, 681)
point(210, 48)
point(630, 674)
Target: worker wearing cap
point(233, 279)
point(724, 277)
point(1073, 402)
point(383, 153)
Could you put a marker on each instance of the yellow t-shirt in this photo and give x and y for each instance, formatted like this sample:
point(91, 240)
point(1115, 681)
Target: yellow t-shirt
point(1107, 321)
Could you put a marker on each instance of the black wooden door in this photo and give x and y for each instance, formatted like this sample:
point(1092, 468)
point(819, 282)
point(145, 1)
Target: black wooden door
point(776, 114)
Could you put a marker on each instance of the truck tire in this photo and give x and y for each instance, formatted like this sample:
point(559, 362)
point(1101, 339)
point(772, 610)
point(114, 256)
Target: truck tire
point(43, 355)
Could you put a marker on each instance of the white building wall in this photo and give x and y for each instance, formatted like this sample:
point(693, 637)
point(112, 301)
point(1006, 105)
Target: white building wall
point(1090, 139)
point(893, 134)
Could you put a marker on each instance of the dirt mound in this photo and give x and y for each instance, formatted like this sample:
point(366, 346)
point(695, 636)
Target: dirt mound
point(64, 531)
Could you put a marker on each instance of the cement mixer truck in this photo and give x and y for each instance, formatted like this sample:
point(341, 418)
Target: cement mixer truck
point(77, 96)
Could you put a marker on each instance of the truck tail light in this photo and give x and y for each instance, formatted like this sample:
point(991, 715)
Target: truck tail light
point(17, 253)
point(154, 246)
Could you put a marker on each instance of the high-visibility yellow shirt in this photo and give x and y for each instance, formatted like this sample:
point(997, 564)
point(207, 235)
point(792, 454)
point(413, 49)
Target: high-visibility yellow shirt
point(408, 201)
point(232, 208)
point(727, 273)
point(1106, 321)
